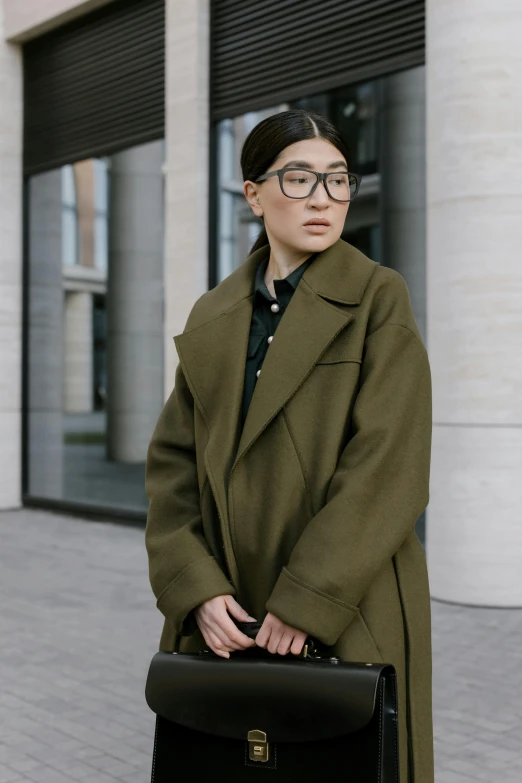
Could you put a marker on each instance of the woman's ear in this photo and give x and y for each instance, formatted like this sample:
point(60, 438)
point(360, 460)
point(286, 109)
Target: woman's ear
point(252, 196)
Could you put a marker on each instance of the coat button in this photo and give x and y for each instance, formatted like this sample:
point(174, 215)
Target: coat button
point(270, 338)
point(258, 373)
point(274, 307)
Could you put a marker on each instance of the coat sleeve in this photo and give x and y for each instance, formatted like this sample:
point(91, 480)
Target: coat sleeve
point(378, 490)
point(183, 573)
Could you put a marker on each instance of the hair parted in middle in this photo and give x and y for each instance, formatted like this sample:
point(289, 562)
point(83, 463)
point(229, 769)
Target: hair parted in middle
point(272, 135)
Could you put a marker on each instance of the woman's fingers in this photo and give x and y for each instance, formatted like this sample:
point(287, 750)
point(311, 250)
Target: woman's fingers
point(237, 611)
point(223, 637)
point(213, 614)
point(233, 633)
point(298, 644)
point(218, 641)
point(275, 638)
point(228, 627)
point(213, 624)
point(263, 635)
point(270, 632)
point(284, 645)
point(215, 644)
point(221, 624)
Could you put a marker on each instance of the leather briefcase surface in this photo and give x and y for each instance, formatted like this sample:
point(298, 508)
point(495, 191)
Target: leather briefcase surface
point(272, 718)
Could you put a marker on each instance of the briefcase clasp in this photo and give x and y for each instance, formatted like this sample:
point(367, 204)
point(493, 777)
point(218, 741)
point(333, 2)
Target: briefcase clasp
point(258, 747)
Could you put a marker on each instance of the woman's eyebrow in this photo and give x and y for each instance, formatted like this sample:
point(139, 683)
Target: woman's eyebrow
point(306, 165)
point(297, 163)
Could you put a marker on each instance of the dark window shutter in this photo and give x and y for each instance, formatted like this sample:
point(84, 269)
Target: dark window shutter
point(269, 51)
point(95, 85)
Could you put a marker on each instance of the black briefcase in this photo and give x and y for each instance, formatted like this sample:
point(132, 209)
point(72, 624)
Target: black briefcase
point(272, 718)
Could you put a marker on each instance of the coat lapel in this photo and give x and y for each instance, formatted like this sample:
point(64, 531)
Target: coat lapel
point(213, 356)
point(307, 328)
point(310, 324)
point(213, 351)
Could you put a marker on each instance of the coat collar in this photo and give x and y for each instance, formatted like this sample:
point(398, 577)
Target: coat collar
point(213, 348)
point(340, 273)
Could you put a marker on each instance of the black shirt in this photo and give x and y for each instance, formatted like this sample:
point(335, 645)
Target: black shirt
point(265, 321)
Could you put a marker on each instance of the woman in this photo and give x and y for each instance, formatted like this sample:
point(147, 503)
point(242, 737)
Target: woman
point(291, 461)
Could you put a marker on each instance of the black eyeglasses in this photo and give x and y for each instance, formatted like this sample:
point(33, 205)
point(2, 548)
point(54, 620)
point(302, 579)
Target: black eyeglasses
point(300, 183)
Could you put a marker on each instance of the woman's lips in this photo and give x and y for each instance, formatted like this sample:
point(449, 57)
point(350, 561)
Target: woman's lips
point(316, 228)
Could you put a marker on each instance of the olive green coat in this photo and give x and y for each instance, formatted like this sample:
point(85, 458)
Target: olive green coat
point(309, 510)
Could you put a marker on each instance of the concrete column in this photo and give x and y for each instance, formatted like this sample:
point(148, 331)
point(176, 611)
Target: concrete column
point(135, 300)
point(45, 365)
point(187, 129)
point(403, 182)
point(474, 158)
point(78, 370)
point(10, 270)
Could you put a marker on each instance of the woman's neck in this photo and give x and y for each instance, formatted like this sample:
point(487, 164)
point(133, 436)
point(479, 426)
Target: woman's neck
point(281, 264)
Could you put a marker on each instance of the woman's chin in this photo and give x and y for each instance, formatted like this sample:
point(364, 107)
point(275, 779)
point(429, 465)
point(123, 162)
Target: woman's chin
point(311, 243)
point(316, 243)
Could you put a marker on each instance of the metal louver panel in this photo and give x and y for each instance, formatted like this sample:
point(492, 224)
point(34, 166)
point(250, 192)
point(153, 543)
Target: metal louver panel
point(95, 85)
point(264, 52)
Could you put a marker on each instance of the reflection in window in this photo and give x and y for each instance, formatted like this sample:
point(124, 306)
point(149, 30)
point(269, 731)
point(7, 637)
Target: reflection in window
point(95, 334)
point(70, 253)
point(101, 209)
point(367, 126)
point(355, 111)
point(238, 227)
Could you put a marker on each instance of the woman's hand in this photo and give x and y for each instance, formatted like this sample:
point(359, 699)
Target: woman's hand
point(277, 637)
point(219, 632)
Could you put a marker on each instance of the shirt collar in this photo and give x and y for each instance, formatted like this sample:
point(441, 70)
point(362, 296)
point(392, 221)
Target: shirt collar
point(292, 279)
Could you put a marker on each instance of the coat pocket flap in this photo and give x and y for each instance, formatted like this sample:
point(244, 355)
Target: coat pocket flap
point(338, 352)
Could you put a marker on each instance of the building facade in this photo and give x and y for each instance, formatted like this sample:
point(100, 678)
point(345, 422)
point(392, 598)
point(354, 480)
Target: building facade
point(121, 124)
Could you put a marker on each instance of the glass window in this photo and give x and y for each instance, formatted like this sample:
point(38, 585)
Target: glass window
point(238, 227)
point(95, 354)
point(355, 111)
point(101, 213)
point(70, 255)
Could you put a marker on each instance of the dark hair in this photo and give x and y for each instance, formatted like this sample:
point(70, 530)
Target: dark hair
point(272, 135)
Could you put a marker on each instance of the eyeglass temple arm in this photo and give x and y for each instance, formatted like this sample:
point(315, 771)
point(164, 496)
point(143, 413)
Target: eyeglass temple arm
point(266, 176)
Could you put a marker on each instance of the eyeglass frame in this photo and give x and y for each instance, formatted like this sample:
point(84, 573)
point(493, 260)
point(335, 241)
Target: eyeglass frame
point(320, 177)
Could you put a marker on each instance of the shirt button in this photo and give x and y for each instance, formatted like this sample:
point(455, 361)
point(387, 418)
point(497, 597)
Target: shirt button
point(258, 373)
point(274, 307)
point(270, 338)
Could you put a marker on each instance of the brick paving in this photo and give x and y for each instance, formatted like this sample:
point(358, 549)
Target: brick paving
point(78, 627)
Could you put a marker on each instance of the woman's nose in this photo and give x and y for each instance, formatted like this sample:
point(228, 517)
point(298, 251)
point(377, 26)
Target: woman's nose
point(320, 197)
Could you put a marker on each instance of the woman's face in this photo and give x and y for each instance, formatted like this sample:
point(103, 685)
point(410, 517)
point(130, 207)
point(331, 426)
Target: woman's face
point(287, 220)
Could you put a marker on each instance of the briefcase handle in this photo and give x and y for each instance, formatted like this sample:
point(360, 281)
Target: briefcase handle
point(311, 648)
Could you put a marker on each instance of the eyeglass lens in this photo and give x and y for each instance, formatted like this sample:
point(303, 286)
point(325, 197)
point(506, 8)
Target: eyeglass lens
point(298, 184)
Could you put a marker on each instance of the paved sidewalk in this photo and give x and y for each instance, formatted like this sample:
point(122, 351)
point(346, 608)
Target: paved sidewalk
point(78, 627)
